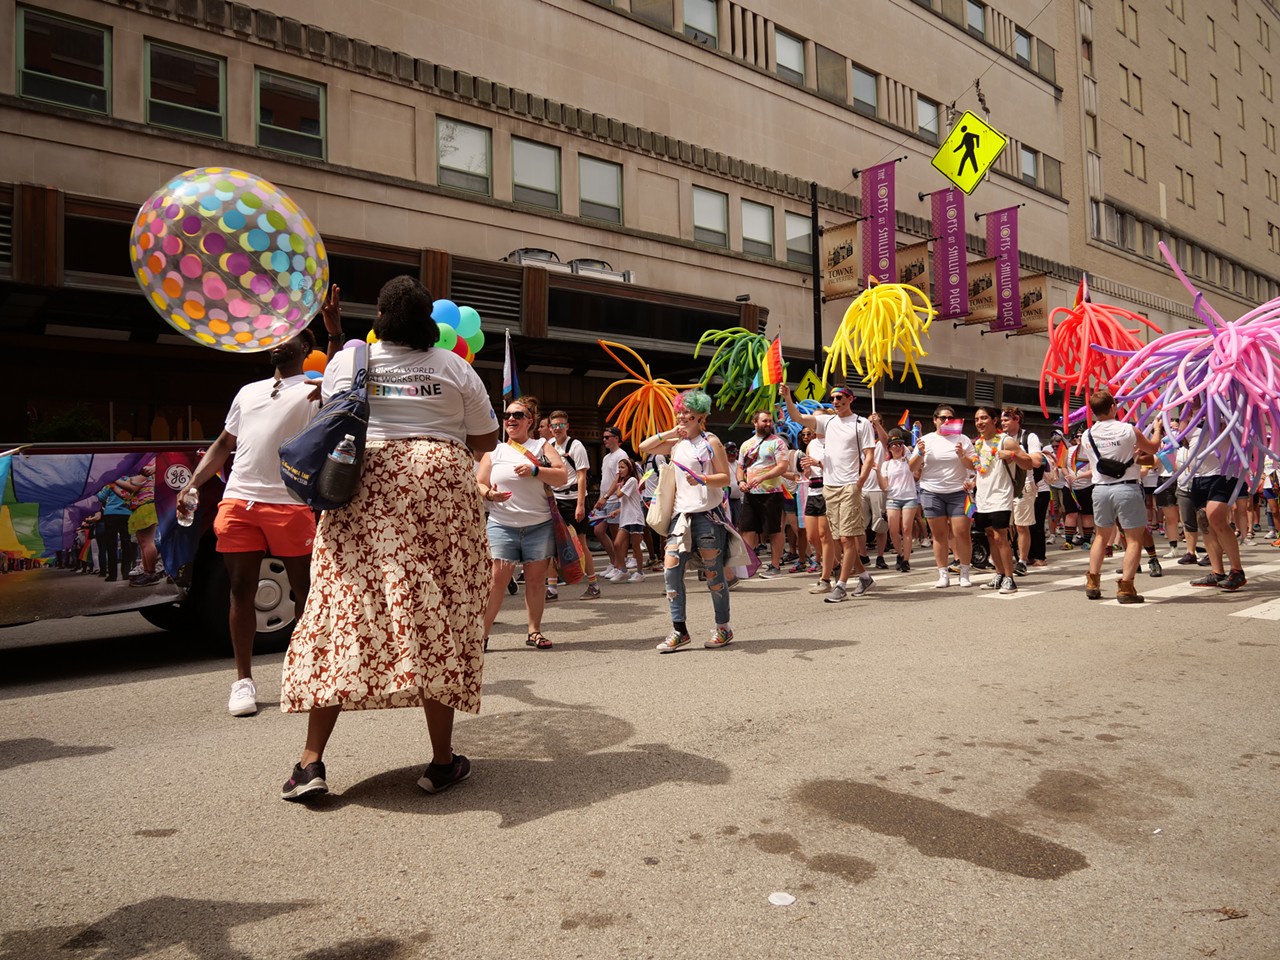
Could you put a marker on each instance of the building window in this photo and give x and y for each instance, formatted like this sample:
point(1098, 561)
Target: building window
point(1091, 132)
point(1131, 92)
point(1177, 61)
point(1244, 167)
point(833, 73)
point(799, 240)
point(1030, 166)
point(535, 173)
point(463, 156)
point(1212, 33)
point(64, 61)
point(1213, 89)
point(975, 18)
point(1217, 148)
point(711, 216)
point(1181, 124)
point(1236, 57)
point(599, 189)
point(1127, 20)
point(1022, 46)
point(1268, 134)
point(865, 92)
point(701, 21)
point(186, 90)
point(290, 114)
point(1178, 8)
point(1264, 84)
point(757, 229)
point(655, 11)
point(1246, 223)
point(927, 119)
point(1222, 207)
point(1240, 112)
point(1264, 33)
point(1135, 158)
point(789, 54)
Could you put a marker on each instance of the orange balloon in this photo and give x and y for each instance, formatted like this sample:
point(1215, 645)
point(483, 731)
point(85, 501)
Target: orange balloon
point(316, 361)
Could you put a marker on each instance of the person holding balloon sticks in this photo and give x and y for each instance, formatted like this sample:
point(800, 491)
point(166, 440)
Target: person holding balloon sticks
point(398, 595)
point(699, 518)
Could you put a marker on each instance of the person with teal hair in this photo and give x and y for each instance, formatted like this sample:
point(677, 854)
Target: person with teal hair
point(699, 518)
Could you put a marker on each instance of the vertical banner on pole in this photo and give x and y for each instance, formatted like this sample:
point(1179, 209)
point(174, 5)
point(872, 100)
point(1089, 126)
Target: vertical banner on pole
point(1002, 244)
point(950, 266)
point(879, 239)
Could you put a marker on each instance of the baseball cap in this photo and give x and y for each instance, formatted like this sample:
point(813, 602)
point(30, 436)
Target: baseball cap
point(612, 432)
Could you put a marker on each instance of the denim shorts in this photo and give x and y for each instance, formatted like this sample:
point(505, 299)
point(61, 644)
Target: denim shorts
point(521, 544)
point(903, 504)
point(942, 504)
point(633, 527)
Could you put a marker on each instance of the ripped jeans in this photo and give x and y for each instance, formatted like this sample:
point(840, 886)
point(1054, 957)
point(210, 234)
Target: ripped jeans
point(711, 540)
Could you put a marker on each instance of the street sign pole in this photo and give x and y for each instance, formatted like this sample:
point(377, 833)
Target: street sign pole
point(816, 273)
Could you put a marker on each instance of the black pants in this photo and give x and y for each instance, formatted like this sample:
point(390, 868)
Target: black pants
point(1037, 529)
point(116, 526)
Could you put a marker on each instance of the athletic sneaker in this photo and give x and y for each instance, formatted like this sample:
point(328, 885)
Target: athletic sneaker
point(898, 565)
point(965, 581)
point(863, 585)
point(1020, 568)
point(244, 698)
point(439, 777)
point(880, 564)
point(769, 571)
point(1204, 561)
point(838, 595)
point(1233, 582)
point(722, 637)
point(906, 566)
point(799, 567)
point(995, 583)
point(1210, 579)
point(1187, 559)
point(617, 576)
point(1068, 545)
point(304, 781)
point(944, 579)
point(1009, 586)
point(926, 542)
point(1174, 553)
point(822, 586)
point(609, 571)
point(591, 593)
point(146, 579)
point(674, 642)
point(511, 587)
point(1154, 568)
point(636, 577)
point(953, 567)
point(552, 594)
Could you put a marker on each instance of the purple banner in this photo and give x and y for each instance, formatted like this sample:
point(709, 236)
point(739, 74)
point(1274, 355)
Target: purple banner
point(950, 265)
point(879, 237)
point(1002, 245)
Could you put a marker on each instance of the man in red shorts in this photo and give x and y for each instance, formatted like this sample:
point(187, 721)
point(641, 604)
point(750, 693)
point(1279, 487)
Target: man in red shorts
point(257, 516)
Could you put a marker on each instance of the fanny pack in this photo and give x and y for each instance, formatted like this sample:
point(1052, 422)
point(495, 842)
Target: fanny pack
point(1115, 469)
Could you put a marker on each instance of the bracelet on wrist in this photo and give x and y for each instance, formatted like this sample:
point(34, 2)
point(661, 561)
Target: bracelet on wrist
point(535, 469)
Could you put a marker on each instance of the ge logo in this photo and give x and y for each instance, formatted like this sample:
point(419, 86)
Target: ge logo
point(177, 476)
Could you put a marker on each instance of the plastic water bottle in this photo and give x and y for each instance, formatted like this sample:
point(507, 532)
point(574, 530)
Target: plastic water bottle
point(340, 475)
point(187, 508)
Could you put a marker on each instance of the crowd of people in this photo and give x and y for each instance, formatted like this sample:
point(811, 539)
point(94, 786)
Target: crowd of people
point(394, 611)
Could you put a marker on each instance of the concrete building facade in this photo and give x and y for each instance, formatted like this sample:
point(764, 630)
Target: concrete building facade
point(637, 170)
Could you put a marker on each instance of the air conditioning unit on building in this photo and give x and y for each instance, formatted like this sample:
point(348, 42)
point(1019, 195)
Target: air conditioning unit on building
point(602, 269)
point(533, 256)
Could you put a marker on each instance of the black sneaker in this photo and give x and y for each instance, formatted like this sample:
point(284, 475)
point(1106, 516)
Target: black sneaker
point(1204, 561)
point(511, 587)
point(1154, 568)
point(866, 561)
point(880, 564)
point(1210, 579)
point(305, 782)
point(1234, 581)
point(1186, 559)
point(1020, 569)
point(441, 776)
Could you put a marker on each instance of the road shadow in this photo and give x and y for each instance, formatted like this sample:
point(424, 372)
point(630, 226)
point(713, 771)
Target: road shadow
point(19, 752)
point(152, 926)
point(529, 765)
point(104, 661)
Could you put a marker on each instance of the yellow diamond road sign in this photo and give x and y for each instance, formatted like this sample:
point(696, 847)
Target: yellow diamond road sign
point(969, 151)
point(810, 388)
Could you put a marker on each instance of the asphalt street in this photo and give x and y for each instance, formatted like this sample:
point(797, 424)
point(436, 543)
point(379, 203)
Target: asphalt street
point(928, 773)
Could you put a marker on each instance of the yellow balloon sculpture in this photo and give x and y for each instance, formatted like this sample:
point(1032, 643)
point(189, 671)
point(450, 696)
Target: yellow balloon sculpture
point(885, 317)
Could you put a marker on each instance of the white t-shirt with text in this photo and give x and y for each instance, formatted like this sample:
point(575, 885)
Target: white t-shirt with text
point(260, 424)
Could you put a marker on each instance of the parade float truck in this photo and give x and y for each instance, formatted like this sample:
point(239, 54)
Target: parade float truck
point(55, 539)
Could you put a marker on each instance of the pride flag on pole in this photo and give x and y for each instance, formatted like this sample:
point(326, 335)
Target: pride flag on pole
point(904, 419)
point(771, 367)
point(969, 508)
point(510, 382)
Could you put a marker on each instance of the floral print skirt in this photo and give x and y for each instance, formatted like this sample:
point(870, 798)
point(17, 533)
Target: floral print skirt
point(399, 582)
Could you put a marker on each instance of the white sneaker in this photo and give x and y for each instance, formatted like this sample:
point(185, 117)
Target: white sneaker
point(1175, 553)
point(944, 579)
point(964, 579)
point(617, 576)
point(636, 577)
point(822, 586)
point(244, 698)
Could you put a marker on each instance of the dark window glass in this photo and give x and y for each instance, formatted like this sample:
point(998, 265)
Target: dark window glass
point(96, 246)
point(65, 62)
point(185, 91)
point(655, 11)
point(832, 74)
point(290, 115)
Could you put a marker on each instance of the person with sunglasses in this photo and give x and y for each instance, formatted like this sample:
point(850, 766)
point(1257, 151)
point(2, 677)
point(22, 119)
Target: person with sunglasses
point(849, 452)
point(514, 478)
point(945, 462)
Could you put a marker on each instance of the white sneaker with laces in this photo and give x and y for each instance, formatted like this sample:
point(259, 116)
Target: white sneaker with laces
point(944, 579)
point(617, 576)
point(244, 698)
point(609, 571)
point(964, 578)
point(636, 577)
point(1175, 553)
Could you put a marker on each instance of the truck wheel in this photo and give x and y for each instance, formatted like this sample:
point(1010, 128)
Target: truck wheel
point(273, 605)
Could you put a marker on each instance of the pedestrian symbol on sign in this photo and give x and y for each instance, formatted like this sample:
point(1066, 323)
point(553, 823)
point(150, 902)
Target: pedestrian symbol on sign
point(969, 151)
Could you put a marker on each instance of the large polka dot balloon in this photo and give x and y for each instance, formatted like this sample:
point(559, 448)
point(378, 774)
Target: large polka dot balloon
point(228, 260)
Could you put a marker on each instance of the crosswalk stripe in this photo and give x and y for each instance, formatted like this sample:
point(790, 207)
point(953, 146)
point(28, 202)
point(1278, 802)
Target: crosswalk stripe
point(1263, 611)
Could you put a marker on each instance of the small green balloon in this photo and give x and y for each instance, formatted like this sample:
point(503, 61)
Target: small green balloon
point(448, 336)
point(475, 341)
point(468, 322)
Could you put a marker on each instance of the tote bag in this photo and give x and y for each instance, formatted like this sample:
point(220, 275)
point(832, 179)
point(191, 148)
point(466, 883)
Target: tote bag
point(663, 506)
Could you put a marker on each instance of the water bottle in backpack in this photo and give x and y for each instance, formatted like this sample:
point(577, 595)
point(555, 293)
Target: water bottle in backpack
point(340, 474)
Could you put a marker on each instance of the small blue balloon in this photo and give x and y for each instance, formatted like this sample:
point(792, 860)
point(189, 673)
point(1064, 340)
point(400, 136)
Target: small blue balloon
point(446, 312)
point(313, 374)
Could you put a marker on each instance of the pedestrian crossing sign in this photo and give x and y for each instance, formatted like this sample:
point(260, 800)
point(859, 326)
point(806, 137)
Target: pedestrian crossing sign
point(970, 149)
point(810, 388)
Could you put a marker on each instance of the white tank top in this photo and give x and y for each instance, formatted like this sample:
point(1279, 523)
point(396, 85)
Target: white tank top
point(528, 504)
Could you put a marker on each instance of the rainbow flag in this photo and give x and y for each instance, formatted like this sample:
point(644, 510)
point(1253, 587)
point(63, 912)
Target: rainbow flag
point(1062, 455)
point(1082, 291)
point(904, 419)
point(969, 507)
point(771, 367)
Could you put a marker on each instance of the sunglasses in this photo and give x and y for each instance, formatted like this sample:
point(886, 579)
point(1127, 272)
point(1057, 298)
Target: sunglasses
point(516, 415)
point(558, 426)
point(841, 396)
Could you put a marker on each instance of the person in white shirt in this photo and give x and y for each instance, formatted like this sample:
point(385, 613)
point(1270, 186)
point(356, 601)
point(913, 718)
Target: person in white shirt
point(945, 463)
point(817, 532)
point(994, 493)
point(257, 515)
point(604, 518)
point(898, 480)
point(571, 500)
point(1031, 508)
point(849, 449)
point(631, 524)
point(1112, 448)
point(873, 500)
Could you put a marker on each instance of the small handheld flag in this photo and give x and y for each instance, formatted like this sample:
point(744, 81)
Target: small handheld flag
point(510, 382)
point(952, 428)
point(904, 419)
point(969, 508)
point(1062, 456)
point(771, 366)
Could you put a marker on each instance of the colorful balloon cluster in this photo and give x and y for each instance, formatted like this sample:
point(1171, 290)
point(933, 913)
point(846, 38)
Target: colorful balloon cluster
point(1225, 380)
point(459, 327)
point(737, 361)
point(884, 318)
point(228, 260)
point(649, 408)
point(1086, 344)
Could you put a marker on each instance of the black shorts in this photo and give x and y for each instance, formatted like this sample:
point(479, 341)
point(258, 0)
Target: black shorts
point(996, 520)
point(1215, 489)
point(761, 514)
point(1168, 497)
point(567, 510)
point(1084, 500)
point(815, 505)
